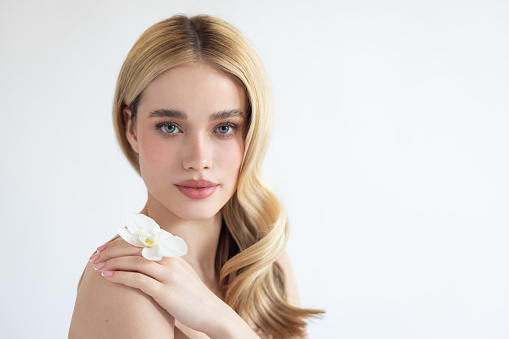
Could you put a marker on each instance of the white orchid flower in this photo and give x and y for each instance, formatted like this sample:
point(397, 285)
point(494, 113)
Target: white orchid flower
point(144, 232)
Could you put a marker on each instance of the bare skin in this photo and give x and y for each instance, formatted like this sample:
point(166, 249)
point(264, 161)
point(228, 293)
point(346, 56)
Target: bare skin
point(176, 297)
point(106, 308)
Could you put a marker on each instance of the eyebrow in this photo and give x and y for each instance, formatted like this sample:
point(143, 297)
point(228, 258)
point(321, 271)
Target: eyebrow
point(168, 113)
point(176, 114)
point(229, 113)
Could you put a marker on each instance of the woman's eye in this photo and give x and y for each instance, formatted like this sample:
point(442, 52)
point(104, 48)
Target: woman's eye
point(169, 129)
point(225, 129)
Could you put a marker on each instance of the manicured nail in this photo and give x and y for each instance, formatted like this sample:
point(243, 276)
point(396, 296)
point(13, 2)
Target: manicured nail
point(107, 274)
point(101, 248)
point(99, 266)
point(94, 257)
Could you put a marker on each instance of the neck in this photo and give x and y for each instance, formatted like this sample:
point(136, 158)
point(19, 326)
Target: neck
point(201, 236)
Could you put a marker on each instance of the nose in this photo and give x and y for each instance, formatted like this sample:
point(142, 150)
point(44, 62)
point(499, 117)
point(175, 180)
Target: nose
point(197, 153)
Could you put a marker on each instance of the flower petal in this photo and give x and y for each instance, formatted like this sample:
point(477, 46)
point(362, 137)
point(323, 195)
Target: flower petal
point(172, 247)
point(136, 222)
point(130, 238)
point(164, 234)
point(151, 253)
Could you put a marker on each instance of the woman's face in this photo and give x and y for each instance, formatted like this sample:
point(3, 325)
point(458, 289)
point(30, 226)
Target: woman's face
point(189, 134)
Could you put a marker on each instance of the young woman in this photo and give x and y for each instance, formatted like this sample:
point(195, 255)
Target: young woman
point(193, 114)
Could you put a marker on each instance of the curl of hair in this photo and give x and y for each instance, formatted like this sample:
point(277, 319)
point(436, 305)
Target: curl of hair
point(255, 227)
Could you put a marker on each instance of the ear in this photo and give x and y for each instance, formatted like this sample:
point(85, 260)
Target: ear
point(130, 129)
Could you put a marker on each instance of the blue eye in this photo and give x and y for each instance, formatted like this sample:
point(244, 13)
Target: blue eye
point(169, 129)
point(225, 129)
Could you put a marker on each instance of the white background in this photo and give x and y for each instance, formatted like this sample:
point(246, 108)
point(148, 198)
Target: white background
point(390, 153)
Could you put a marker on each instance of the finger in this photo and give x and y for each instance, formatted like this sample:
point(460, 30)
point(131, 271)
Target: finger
point(116, 241)
point(110, 243)
point(135, 264)
point(137, 280)
point(115, 252)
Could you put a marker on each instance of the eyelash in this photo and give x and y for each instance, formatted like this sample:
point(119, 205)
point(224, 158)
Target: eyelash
point(232, 125)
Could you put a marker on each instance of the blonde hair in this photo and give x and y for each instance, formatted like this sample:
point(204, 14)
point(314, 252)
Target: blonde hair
point(255, 228)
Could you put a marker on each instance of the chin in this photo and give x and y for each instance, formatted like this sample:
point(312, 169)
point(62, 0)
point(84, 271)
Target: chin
point(197, 213)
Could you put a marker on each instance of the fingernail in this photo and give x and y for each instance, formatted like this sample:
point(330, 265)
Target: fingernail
point(99, 266)
point(94, 257)
point(101, 248)
point(107, 274)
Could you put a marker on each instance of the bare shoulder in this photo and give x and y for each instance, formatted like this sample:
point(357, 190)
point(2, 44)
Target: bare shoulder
point(291, 284)
point(107, 310)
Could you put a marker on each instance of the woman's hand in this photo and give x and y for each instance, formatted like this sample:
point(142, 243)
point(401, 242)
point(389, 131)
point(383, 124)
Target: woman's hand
point(173, 284)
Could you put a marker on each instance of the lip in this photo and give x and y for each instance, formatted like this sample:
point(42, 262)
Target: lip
point(196, 183)
point(197, 189)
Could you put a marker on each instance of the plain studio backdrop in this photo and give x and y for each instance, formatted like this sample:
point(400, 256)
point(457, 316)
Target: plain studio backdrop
point(390, 153)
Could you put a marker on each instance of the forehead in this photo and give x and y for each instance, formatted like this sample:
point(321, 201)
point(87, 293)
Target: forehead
point(194, 88)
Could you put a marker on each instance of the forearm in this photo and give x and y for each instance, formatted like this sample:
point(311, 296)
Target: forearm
point(230, 325)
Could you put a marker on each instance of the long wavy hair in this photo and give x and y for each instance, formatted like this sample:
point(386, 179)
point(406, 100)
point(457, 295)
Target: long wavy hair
point(255, 227)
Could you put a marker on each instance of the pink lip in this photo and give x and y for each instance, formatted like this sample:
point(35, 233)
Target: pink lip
point(197, 189)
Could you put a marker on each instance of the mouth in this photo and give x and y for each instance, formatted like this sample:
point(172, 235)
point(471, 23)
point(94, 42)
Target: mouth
point(197, 183)
point(197, 189)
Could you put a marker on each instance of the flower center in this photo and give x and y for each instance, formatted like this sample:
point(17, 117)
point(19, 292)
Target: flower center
point(149, 239)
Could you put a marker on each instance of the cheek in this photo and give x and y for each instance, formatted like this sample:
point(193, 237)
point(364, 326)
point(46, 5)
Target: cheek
point(231, 157)
point(155, 153)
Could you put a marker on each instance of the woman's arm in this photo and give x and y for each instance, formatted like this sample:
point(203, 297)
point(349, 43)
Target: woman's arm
point(174, 287)
point(106, 310)
point(119, 308)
